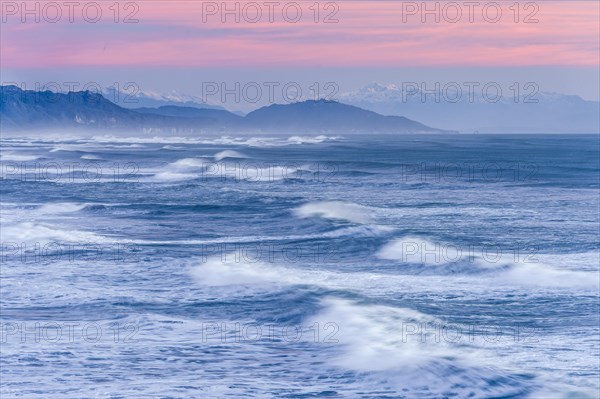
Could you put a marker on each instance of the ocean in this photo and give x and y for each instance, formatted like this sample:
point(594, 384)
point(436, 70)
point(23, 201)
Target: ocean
point(421, 266)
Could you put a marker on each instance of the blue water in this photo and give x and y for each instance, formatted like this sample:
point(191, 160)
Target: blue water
point(377, 267)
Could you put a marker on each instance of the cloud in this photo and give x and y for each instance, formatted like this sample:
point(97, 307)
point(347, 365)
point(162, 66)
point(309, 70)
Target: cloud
point(367, 34)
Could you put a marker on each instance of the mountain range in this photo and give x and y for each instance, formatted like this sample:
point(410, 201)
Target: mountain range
point(29, 110)
point(133, 97)
point(536, 112)
point(360, 111)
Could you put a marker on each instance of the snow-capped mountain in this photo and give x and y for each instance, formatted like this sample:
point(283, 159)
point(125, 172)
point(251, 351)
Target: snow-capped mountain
point(472, 109)
point(133, 97)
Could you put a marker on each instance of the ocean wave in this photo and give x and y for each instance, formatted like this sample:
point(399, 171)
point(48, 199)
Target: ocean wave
point(419, 254)
point(412, 249)
point(219, 156)
point(91, 157)
point(16, 157)
point(372, 340)
point(312, 140)
point(42, 233)
point(189, 163)
point(61, 207)
point(194, 168)
point(229, 271)
point(406, 349)
point(335, 210)
point(168, 177)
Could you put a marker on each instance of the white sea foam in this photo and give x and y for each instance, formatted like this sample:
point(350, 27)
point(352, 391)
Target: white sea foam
point(412, 249)
point(377, 337)
point(169, 176)
point(8, 156)
point(91, 157)
point(444, 258)
point(311, 140)
point(190, 168)
point(61, 207)
point(403, 348)
point(257, 142)
point(538, 274)
point(135, 145)
point(73, 147)
point(40, 233)
point(35, 224)
point(258, 271)
point(229, 270)
point(219, 156)
point(13, 214)
point(180, 170)
point(335, 210)
point(252, 172)
point(189, 163)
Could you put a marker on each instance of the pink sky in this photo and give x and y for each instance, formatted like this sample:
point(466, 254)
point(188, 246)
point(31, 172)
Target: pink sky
point(369, 33)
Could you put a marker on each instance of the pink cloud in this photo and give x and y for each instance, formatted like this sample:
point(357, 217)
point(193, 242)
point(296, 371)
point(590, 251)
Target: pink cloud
point(367, 34)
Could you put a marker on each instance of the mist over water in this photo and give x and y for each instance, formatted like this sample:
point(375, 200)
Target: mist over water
point(297, 267)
